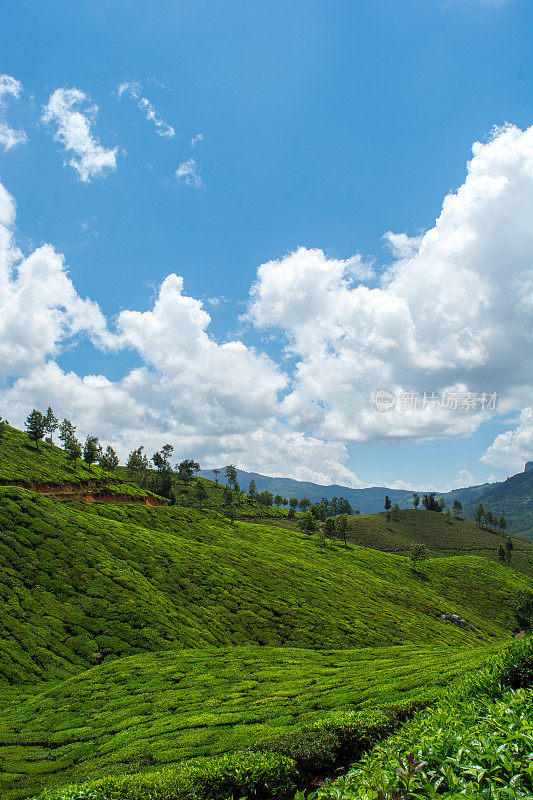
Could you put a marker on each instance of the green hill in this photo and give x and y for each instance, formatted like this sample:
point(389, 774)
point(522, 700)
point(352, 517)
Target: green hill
point(513, 499)
point(86, 582)
point(155, 709)
point(23, 463)
point(441, 535)
point(135, 636)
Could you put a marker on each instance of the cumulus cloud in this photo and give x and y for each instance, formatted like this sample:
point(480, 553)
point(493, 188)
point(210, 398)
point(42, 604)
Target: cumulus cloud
point(39, 307)
point(197, 139)
point(187, 173)
point(510, 450)
point(452, 314)
point(9, 137)
point(73, 131)
point(134, 90)
point(218, 401)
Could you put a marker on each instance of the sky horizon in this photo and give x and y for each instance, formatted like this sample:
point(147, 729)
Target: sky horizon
point(295, 237)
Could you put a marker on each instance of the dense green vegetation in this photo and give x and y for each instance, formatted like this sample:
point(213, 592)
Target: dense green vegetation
point(84, 582)
point(134, 637)
point(514, 499)
point(441, 535)
point(157, 708)
point(447, 751)
point(475, 741)
point(22, 462)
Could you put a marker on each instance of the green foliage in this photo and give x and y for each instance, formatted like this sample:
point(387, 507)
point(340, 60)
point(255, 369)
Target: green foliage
point(258, 776)
point(440, 535)
point(35, 426)
point(91, 450)
point(475, 741)
point(20, 462)
point(156, 709)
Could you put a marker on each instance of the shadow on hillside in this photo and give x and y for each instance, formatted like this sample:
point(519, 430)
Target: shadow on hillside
point(420, 574)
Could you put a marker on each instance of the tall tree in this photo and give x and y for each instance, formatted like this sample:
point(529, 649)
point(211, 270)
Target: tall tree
point(457, 507)
point(51, 423)
point(91, 450)
point(342, 527)
point(278, 500)
point(329, 528)
point(108, 460)
point(66, 430)
point(252, 489)
point(307, 523)
point(231, 475)
point(388, 503)
point(266, 498)
point(478, 516)
point(304, 503)
point(186, 469)
point(293, 503)
point(137, 466)
point(416, 500)
point(73, 450)
point(35, 426)
point(216, 473)
point(502, 523)
point(166, 452)
point(158, 461)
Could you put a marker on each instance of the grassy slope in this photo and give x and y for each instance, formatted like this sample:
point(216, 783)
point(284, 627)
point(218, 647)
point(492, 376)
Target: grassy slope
point(82, 583)
point(21, 461)
point(439, 535)
point(155, 709)
point(514, 499)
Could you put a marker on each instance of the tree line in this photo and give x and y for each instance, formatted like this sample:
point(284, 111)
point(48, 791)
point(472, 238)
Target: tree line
point(41, 426)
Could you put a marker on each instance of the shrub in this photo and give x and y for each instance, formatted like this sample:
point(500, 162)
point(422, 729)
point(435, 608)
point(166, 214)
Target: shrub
point(258, 775)
point(337, 741)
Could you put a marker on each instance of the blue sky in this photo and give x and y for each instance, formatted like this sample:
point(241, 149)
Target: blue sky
point(323, 125)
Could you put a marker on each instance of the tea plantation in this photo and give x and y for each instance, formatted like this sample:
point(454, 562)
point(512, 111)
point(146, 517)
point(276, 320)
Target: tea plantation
point(137, 637)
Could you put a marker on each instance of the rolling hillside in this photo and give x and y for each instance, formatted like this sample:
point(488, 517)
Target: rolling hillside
point(155, 709)
point(134, 636)
point(441, 535)
point(513, 499)
point(85, 583)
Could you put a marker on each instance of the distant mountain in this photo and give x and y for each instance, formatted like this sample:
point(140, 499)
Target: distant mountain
point(513, 499)
point(367, 501)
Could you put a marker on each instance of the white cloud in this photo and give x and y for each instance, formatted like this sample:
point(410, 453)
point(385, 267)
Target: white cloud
point(216, 401)
point(187, 173)
point(453, 312)
point(39, 307)
point(91, 160)
point(134, 90)
point(197, 139)
point(9, 137)
point(510, 450)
